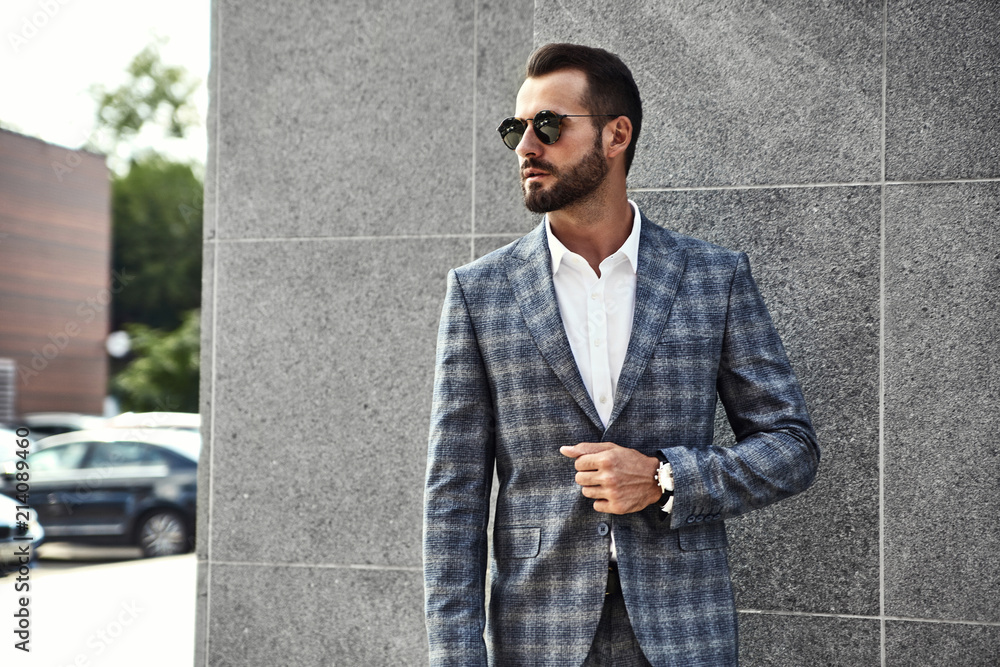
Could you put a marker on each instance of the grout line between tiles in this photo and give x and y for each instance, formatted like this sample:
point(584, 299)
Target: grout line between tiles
point(369, 238)
point(324, 566)
point(830, 184)
point(881, 618)
point(475, 115)
point(881, 350)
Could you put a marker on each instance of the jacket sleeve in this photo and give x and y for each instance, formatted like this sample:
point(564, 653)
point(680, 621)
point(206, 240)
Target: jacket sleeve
point(460, 460)
point(776, 454)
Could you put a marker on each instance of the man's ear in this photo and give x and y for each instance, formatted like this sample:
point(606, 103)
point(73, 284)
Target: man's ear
point(620, 130)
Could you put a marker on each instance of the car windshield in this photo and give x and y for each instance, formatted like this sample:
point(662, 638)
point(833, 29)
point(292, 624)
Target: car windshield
point(61, 457)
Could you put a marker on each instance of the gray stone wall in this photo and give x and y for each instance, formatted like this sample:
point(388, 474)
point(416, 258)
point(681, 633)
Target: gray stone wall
point(852, 148)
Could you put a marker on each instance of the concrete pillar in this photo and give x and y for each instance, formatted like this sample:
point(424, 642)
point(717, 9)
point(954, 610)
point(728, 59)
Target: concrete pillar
point(852, 149)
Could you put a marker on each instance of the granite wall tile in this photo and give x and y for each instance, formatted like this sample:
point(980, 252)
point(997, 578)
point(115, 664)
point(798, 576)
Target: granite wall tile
point(815, 255)
point(943, 90)
point(911, 644)
point(504, 42)
point(262, 616)
point(321, 106)
point(768, 640)
point(742, 93)
point(487, 244)
point(325, 366)
point(942, 357)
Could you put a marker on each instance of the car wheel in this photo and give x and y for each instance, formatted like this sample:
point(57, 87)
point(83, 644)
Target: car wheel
point(163, 533)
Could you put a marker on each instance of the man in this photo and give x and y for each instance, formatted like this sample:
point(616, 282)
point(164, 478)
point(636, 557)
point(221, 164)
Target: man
point(584, 361)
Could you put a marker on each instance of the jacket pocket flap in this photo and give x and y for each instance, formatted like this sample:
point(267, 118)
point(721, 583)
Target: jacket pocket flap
point(699, 538)
point(683, 341)
point(516, 542)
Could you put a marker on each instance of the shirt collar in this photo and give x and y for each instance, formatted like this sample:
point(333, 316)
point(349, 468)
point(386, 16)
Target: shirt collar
point(630, 248)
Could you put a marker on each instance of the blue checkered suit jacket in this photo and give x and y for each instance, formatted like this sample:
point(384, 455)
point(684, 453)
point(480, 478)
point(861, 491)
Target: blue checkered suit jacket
point(507, 391)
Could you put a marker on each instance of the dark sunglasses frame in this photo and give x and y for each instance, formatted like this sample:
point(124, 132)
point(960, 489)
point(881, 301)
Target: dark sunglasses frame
point(547, 125)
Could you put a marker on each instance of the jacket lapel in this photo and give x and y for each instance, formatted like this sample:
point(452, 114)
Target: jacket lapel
point(660, 268)
point(529, 270)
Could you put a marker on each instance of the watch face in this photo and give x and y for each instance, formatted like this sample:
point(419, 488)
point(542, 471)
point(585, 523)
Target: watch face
point(663, 477)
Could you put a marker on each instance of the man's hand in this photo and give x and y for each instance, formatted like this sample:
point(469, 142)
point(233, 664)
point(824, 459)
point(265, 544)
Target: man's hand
point(619, 479)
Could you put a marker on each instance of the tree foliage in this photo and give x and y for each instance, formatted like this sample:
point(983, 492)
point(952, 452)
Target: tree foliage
point(164, 374)
point(153, 94)
point(156, 211)
point(157, 230)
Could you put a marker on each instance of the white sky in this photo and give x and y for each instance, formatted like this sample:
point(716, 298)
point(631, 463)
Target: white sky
point(52, 51)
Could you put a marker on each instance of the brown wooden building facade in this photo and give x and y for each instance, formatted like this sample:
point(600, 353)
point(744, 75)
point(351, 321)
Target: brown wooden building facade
point(55, 274)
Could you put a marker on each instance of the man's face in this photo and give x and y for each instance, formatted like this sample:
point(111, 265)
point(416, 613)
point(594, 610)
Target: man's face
point(568, 171)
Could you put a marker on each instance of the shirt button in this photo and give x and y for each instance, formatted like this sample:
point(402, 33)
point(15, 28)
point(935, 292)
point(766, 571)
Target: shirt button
point(594, 297)
point(602, 528)
point(597, 342)
point(604, 399)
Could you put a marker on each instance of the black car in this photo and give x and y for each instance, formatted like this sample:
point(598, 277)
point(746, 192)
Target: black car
point(116, 486)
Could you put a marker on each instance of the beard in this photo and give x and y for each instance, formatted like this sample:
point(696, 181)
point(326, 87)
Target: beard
point(572, 186)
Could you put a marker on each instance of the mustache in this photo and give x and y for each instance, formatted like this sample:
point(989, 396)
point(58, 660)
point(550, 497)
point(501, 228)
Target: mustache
point(534, 163)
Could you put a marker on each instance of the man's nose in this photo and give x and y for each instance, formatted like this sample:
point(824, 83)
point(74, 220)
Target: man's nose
point(529, 144)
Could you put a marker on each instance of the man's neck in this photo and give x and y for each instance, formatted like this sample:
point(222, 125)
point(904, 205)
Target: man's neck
point(594, 229)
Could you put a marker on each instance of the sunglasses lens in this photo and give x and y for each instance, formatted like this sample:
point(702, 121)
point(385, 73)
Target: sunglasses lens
point(511, 130)
point(546, 126)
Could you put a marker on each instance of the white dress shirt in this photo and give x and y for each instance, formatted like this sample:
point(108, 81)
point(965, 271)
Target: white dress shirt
point(597, 315)
point(597, 312)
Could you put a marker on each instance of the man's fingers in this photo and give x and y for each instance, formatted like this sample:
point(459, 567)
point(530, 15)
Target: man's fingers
point(583, 448)
point(588, 478)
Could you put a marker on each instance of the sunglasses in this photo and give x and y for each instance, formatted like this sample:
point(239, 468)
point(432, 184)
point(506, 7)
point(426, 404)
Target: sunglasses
point(546, 124)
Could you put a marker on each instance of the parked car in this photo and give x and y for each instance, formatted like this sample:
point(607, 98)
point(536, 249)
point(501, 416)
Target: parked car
point(11, 542)
point(44, 424)
point(189, 421)
point(114, 486)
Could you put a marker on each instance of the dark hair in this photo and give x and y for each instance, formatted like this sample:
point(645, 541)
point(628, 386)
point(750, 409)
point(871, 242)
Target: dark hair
point(610, 86)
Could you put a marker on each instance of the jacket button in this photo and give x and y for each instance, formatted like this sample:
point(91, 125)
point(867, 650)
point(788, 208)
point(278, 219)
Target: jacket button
point(690, 519)
point(602, 528)
point(700, 518)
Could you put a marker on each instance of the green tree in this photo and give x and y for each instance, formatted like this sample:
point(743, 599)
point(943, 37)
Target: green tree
point(154, 94)
point(157, 239)
point(156, 214)
point(164, 373)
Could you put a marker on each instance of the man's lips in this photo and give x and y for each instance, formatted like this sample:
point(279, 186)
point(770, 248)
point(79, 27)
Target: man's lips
point(530, 174)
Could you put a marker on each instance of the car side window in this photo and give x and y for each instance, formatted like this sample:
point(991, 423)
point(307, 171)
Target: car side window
point(115, 454)
point(61, 457)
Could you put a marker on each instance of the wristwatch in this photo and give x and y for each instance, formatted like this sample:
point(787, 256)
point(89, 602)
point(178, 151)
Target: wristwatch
point(664, 477)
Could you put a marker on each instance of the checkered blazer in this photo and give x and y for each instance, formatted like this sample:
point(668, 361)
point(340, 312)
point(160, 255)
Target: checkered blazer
point(507, 392)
